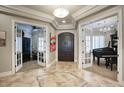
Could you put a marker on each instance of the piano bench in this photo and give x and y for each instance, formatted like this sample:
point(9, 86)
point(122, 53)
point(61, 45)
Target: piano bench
point(111, 62)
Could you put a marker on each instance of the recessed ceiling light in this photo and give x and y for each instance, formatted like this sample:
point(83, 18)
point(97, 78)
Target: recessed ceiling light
point(63, 21)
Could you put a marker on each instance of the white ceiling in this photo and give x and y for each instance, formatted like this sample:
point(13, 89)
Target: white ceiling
point(105, 23)
point(45, 13)
point(48, 9)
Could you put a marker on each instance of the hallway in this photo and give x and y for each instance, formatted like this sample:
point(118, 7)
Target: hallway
point(58, 75)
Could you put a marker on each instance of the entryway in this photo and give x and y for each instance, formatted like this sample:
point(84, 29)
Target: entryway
point(30, 47)
point(66, 46)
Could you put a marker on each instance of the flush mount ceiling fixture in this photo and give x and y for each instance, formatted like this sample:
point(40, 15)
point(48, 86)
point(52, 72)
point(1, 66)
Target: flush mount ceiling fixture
point(60, 12)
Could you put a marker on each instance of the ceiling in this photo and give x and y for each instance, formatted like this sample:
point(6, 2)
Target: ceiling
point(45, 13)
point(48, 9)
point(110, 22)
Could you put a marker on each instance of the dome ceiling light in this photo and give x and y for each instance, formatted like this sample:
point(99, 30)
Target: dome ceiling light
point(60, 12)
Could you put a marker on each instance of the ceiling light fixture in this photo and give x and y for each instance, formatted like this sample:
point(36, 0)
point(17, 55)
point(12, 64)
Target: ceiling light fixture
point(63, 21)
point(60, 12)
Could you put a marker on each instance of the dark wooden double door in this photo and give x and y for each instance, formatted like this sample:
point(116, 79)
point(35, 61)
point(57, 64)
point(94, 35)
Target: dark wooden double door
point(66, 47)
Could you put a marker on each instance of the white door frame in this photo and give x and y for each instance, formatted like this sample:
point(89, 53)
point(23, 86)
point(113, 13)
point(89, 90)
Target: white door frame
point(20, 65)
point(75, 46)
point(114, 11)
point(14, 21)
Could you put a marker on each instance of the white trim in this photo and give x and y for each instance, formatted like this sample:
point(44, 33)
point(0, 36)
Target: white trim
point(82, 10)
point(6, 73)
point(47, 47)
point(100, 16)
point(19, 10)
point(120, 52)
point(13, 47)
point(66, 26)
point(87, 10)
point(13, 39)
point(107, 13)
point(35, 14)
point(80, 65)
point(75, 60)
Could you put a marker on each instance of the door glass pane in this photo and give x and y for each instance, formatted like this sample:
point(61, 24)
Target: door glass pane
point(88, 45)
point(98, 42)
point(42, 46)
point(18, 44)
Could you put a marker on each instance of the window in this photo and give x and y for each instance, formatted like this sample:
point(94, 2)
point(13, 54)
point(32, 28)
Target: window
point(98, 42)
point(94, 42)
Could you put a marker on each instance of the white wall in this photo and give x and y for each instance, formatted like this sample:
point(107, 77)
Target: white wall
point(75, 42)
point(52, 55)
point(6, 52)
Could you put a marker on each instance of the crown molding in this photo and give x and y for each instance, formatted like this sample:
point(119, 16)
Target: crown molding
point(64, 26)
point(34, 14)
point(87, 10)
point(82, 10)
point(29, 13)
point(23, 11)
point(67, 26)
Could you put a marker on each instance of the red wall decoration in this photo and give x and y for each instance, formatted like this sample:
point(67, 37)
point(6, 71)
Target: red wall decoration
point(52, 43)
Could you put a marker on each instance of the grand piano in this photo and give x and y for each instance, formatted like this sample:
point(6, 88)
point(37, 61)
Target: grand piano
point(103, 53)
point(106, 52)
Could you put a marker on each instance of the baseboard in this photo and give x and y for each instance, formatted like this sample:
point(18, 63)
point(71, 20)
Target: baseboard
point(75, 60)
point(6, 73)
point(56, 59)
point(53, 62)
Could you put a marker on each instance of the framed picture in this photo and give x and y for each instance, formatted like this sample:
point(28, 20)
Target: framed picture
point(2, 38)
point(52, 43)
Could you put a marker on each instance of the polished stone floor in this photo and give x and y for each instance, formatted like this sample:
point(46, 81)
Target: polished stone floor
point(61, 74)
point(103, 71)
point(30, 65)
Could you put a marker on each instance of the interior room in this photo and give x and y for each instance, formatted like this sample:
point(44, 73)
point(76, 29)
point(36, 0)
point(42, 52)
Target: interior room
point(29, 42)
point(62, 46)
point(101, 45)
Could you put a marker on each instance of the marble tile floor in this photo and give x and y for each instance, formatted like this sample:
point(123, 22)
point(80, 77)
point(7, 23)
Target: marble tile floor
point(103, 71)
point(61, 74)
point(30, 65)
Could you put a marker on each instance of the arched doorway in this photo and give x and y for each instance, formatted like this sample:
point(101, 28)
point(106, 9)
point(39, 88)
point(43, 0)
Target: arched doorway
point(66, 46)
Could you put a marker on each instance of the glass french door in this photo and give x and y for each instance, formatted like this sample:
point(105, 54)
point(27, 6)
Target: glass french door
point(18, 33)
point(41, 54)
point(86, 48)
